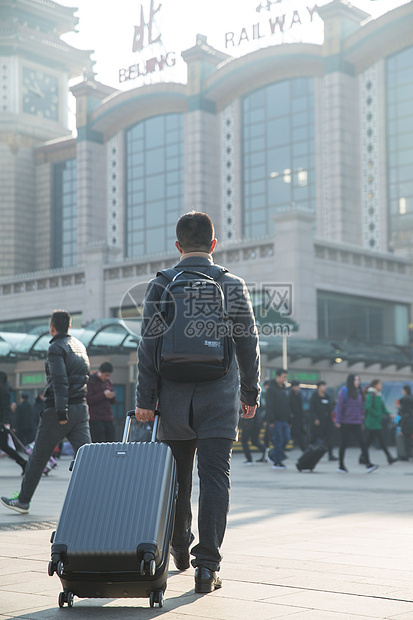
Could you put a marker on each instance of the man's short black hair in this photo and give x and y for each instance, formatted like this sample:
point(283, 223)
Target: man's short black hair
point(106, 367)
point(195, 232)
point(295, 383)
point(280, 371)
point(61, 320)
point(24, 396)
point(321, 383)
point(407, 389)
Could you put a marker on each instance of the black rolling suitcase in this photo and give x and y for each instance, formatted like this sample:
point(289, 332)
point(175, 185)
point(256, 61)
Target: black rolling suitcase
point(114, 533)
point(311, 456)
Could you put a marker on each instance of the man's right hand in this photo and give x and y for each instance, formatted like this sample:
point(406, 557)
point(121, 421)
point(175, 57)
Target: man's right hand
point(109, 394)
point(144, 415)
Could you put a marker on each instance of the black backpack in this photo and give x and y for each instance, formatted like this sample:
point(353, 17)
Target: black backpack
point(195, 338)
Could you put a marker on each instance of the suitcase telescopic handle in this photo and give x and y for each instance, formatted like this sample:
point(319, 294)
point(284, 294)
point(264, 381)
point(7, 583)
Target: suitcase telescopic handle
point(128, 421)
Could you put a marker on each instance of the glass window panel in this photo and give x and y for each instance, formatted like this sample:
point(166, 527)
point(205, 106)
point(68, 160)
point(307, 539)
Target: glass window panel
point(300, 134)
point(155, 188)
point(300, 194)
point(257, 159)
point(154, 131)
point(300, 119)
point(173, 122)
point(258, 230)
point(278, 191)
point(258, 216)
point(257, 115)
point(278, 160)
point(155, 161)
point(278, 132)
point(155, 213)
point(172, 151)
point(257, 173)
point(404, 108)
point(298, 105)
point(258, 201)
point(155, 240)
point(174, 190)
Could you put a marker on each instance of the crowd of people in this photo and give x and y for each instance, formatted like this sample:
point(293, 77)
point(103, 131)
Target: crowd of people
point(197, 416)
point(359, 415)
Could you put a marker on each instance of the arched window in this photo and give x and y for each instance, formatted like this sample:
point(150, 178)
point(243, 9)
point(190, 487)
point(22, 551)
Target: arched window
point(399, 87)
point(154, 184)
point(278, 152)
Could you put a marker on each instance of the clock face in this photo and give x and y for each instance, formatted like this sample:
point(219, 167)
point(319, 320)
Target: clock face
point(40, 94)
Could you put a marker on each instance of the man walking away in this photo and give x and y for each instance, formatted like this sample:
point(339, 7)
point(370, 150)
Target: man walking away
point(65, 413)
point(100, 398)
point(200, 417)
point(321, 421)
point(279, 416)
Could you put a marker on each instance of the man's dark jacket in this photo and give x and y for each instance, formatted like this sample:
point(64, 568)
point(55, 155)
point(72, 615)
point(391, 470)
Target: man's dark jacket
point(277, 404)
point(296, 404)
point(24, 418)
point(5, 410)
point(209, 409)
point(67, 372)
point(320, 407)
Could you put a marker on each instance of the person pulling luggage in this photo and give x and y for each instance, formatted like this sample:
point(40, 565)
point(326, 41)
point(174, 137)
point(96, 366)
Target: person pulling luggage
point(195, 382)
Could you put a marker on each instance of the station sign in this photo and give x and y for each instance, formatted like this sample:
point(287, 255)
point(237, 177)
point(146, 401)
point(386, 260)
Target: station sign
point(152, 57)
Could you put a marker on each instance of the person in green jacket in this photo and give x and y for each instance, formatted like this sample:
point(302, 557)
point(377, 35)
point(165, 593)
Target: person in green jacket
point(375, 409)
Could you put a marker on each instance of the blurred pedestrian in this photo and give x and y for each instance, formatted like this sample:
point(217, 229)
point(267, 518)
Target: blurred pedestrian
point(24, 420)
point(297, 426)
point(100, 398)
point(406, 419)
point(279, 416)
point(65, 413)
point(321, 421)
point(5, 415)
point(350, 414)
point(375, 410)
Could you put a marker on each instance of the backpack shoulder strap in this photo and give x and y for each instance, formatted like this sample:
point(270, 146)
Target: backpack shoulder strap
point(216, 271)
point(169, 274)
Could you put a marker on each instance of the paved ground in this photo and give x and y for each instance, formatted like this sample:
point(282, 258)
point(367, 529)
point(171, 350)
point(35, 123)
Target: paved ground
point(309, 546)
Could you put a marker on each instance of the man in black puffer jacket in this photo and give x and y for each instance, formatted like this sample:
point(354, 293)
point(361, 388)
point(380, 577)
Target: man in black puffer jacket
point(65, 413)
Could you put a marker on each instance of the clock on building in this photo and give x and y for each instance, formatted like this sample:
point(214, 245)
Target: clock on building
point(40, 94)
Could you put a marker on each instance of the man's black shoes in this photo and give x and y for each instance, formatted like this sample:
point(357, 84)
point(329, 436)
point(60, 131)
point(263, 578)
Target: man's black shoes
point(206, 580)
point(181, 559)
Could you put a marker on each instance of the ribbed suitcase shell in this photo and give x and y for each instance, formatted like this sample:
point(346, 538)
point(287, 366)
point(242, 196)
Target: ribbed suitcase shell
point(121, 497)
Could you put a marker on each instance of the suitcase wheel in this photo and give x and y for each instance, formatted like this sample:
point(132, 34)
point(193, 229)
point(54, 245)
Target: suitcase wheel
point(66, 597)
point(50, 569)
point(145, 568)
point(156, 597)
point(60, 568)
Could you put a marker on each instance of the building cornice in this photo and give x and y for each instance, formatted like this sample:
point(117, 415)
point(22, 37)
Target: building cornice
point(124, 109)
point(379, 38)
point(236, 77)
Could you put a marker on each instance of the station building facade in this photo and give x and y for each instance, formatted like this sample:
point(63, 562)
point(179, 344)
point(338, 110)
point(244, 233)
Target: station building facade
point(301, 153)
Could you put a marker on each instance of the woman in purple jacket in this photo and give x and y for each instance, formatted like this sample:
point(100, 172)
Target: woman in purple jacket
point(350, 420)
